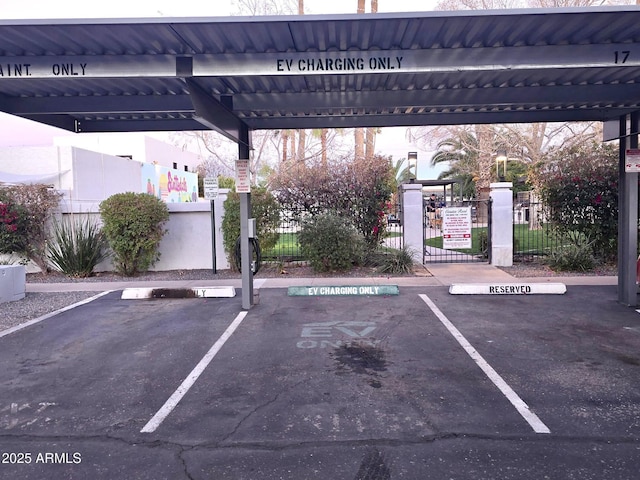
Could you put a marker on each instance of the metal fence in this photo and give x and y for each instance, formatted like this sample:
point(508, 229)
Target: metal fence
point(533, 237)
point(394, 234)
point(288, 249)
point(435, 251)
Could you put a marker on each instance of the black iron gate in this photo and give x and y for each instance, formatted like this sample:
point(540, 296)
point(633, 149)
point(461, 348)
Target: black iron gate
point(440, 249)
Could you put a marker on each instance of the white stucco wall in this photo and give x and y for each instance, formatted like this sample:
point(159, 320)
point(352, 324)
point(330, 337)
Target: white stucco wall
point(165, 155)
point(140, 147)
point(116, 144)
point(187, 243)
point(87, 177)
point(43, 161)
point(97, 176)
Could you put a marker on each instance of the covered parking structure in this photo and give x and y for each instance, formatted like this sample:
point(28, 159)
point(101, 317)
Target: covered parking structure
point(236, 74)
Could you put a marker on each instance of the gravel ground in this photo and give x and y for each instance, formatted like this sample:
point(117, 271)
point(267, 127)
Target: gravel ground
point(35, 305)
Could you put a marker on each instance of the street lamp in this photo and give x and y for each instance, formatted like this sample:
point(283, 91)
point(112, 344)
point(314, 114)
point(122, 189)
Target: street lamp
point(501, 156)
point(412, 160)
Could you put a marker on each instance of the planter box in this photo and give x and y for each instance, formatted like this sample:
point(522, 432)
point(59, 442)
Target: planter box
point(13, 281)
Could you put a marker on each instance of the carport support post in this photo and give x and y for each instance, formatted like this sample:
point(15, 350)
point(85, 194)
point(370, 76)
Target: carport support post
point(412, 216)
point(627, 214)
point(501, 224)
point(245, 212)
point(247, 272)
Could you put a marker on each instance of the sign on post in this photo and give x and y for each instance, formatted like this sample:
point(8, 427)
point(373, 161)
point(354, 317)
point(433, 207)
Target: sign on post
point(210, 188)
point(456, 227)
point(211, 193)
point(243, 184)
point(632, 160)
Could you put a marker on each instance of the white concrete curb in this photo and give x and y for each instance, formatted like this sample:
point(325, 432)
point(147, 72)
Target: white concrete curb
point(508, 289)
point(193, 292)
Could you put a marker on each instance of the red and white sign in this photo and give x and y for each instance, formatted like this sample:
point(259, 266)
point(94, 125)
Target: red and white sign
point(243, 183)
point(632, 160)
point(456, 227)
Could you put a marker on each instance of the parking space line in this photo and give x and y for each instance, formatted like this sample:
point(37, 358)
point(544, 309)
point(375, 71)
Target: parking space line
point(188, 382)
point(21, 326)
point(522, 408)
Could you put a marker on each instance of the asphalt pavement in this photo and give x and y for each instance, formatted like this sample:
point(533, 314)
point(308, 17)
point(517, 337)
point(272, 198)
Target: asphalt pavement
point(420, 384)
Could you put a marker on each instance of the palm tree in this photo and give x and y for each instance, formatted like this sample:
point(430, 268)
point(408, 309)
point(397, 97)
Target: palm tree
point(402, 173)
point(461, 155)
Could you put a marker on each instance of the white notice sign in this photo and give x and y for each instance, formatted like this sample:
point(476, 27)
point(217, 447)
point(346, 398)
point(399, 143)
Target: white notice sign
point(632, 160)
point(243, 184)
point(210, 188)
point(456, 227)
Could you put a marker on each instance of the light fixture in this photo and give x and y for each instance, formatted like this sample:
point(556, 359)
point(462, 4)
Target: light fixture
point(501, 157)
point(412, 160)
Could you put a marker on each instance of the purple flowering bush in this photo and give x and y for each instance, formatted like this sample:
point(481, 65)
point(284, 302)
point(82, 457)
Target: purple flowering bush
point(579, 185)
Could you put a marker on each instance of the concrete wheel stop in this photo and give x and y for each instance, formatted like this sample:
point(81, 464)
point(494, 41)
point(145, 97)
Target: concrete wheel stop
point(194, 292)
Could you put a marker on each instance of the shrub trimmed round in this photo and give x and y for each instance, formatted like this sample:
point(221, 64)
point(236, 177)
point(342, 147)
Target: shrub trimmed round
point(331, 242)
point(133, 224)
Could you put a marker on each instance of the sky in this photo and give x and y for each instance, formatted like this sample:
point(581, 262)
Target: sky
point(391, 141)
point(173, 8)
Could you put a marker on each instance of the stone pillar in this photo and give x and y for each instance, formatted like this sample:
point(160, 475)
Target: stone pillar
point(501, 224)
point(412, 219)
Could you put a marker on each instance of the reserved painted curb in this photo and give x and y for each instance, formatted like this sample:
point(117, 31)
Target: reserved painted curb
point(508, 289)
point(194, 292)
point(344, 291)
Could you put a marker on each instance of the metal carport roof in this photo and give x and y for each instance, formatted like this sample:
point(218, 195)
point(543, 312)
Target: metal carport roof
point(237, 74)
point(400, 69)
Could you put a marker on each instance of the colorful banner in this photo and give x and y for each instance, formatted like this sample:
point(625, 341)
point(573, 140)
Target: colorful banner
point(168, 184)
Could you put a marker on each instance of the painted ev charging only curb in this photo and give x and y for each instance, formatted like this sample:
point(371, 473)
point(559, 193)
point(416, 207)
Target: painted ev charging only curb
point(344, 291)
point(508, 289)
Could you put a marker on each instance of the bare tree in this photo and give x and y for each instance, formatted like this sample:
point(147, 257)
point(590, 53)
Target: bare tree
point(526, 143)
point(266, 7)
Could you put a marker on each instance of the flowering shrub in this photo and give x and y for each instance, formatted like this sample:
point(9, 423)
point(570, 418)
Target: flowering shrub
point(13, 220)
point(35, 205)
point(580, 187)
point(357, 190)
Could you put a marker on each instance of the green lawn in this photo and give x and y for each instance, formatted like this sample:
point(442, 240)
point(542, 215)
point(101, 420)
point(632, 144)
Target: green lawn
point(524, 240)
point(287, 246)
point(532, 241)
point(475, 242)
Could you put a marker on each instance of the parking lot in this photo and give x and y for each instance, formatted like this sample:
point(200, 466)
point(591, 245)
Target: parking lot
point(417, 385)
